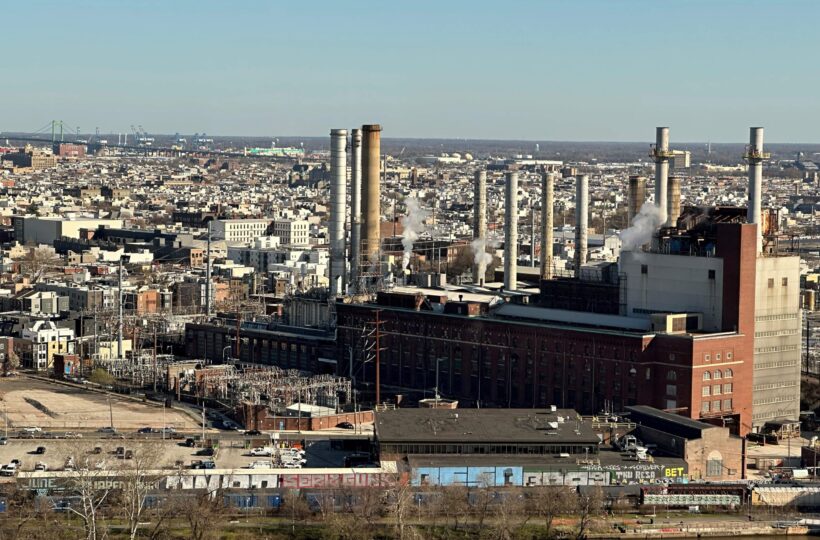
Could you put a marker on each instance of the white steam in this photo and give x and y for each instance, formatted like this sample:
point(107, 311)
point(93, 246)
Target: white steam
point(481, 258)
point(413, 224)
point(644, 225)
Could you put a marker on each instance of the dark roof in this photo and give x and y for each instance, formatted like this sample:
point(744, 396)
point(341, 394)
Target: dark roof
point(667, 422)
point(483, 426)
point(605, 458)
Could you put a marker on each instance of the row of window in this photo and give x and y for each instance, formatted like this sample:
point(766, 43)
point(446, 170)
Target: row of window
point(707, 357)
point(716, 406)
point(717, 374)
point(716, 389)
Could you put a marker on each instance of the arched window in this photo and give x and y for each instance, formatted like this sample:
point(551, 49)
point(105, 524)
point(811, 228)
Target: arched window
point(718, 374)
point(727, 374)
point(671, 375)
point(707, 376)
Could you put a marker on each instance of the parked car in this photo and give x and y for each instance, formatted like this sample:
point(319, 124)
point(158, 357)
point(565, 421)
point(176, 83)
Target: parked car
point(8, 470)
point(146, 430)
point(97, 450)
point(253, 432)
point(207, 465)
point(344, 425)
point(205, 452)
point(106, 430)
point(41, 466)
point(129, 454)
point(189, 442)
point(261, 451)
point(32, 429)
point(4, 440)
point(40, 450)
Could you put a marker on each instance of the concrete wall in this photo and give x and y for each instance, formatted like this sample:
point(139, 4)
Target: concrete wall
point(777, 340)
point(673, 283)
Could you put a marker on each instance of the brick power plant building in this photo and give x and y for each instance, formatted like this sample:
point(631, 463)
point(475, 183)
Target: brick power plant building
point(701, 318)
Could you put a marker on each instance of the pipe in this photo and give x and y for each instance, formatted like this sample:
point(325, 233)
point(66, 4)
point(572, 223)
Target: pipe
point(673, 200)
point(547, 235)
point(661, 155)
point(581, 222)
point(480, 205)
point(637, 196)
point(511, 232)
point(371, 194)
point(755, 156)
point(355, 208)
point(338, 199)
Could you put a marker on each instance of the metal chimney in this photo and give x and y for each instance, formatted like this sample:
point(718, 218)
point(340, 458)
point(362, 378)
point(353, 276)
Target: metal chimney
point(581, 222)
point(355, 207)
point(547, 239)
point(371, 191)
point(511, 232)
point(637, 196)
point(480, 205)
point(673, 200)
point(338, 199)
point(755, 156)
point(661, 155)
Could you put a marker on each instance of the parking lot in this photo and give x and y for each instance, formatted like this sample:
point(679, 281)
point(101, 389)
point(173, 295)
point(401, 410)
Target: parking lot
point(51, 406)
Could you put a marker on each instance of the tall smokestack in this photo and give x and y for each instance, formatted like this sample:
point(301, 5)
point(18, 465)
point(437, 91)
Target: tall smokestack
point(637, 196)
point(547, 204)
point(511, 232)
point(480, 205)
point(338, 200)
point(661, 155)
point(581, 222)
point(673, 200)
point(355, 207)
point(371, 190)
point(755, 156)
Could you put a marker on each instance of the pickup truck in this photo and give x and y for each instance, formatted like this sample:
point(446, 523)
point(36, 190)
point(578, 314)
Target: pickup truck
point(9, 470)
point(262, 451)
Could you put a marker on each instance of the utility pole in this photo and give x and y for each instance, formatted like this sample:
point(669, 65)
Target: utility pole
point(110, 412)
point(203, 422)
point(155, 356)
point(208, 274)
point(119, 320)
point(378, 352)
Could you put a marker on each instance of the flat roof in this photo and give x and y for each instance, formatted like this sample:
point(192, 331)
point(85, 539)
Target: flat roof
point(604, 459)
point(489, 426)
point(667, 422)
point(573, 317)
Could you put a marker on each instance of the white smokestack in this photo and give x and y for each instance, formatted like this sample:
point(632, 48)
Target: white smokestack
point(581, 222)
point(755, 156)
point(661, 155)
point(338, 200)
point(547, 238)
point(511, 232)
point(413, 224)
point(355, 207)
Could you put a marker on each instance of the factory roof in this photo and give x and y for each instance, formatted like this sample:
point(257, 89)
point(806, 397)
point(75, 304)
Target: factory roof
point(518, 311)
point(511, 426)
point(667, 422)
point(603, 460)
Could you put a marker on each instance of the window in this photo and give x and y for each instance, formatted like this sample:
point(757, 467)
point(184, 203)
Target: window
point(671, 390)
point(728, 356)
point(714, 467)
point(771, 283)
point(671, 375)
point(706, 357)
point(644, 269)
point(718, 374)
point(717, 357)
point(716, 406)
point(707, 376)
point(727, 388)
point(727, 404)
point(728, 373)
point(716, 390)
point(711, 274)
point(704, 407)
point(706, 391)
point(785, 282)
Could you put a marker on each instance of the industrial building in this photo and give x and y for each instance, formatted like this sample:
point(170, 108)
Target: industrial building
point(700, 316)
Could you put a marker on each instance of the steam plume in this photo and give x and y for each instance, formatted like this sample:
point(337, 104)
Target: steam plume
point(644, 225)
point(413, 224)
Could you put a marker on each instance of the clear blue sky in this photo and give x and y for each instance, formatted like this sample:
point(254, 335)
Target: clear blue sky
point(539, 70)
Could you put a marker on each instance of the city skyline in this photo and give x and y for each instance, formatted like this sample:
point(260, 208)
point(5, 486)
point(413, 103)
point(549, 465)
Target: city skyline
point(586, 71)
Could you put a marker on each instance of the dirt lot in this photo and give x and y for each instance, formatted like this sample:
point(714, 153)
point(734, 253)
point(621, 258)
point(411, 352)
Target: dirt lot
point(31, 402)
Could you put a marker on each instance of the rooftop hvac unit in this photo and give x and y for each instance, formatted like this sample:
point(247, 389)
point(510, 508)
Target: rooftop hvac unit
point(676, 323)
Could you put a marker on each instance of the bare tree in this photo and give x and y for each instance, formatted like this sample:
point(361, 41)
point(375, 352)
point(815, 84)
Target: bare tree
point(510, 513)
point(548, 502)
point(202, 513)
point(589, 505)
point(138, 476)
point(28, 517)
point(91, 482)
point(399, 505)
point(452, 503)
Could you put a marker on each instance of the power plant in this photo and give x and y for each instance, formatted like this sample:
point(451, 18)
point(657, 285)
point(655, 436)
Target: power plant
point(511, 232)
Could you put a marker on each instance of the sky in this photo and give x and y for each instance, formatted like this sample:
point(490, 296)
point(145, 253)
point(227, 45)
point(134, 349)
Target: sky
point(587, 70)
